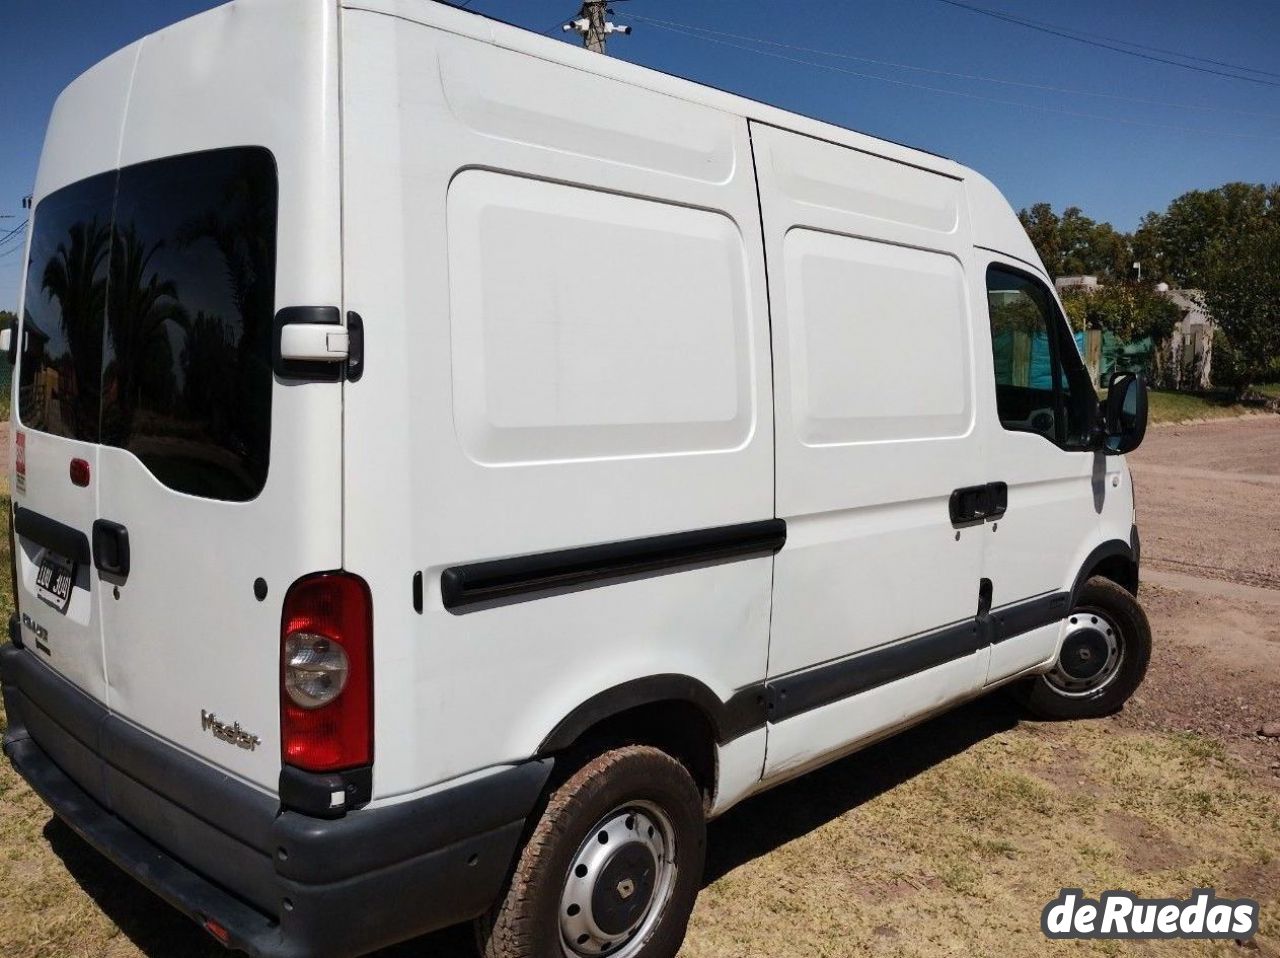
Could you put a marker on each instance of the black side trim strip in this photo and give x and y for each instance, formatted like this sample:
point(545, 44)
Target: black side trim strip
point(790, 695)
point(802, 692)
point(1011, 621)
point(63, 539)
point(524, 578)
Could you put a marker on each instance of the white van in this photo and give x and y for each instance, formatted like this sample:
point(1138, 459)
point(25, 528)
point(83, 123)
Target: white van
point(450, 467)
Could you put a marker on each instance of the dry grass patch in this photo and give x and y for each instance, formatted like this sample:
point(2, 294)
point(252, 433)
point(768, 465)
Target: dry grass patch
point(960, 857)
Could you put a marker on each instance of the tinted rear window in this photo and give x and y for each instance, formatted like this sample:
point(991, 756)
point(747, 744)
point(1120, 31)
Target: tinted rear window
point(60, 386)
point(181, 292)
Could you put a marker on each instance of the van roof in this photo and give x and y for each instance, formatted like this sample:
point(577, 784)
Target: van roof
point(480, 26)
point(993, 223)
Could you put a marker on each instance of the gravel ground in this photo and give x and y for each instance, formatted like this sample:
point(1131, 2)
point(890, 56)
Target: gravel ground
point(1209, 514)
point(1209, 500)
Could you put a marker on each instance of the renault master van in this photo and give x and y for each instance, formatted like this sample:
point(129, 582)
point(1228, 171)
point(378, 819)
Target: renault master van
point(450, 467)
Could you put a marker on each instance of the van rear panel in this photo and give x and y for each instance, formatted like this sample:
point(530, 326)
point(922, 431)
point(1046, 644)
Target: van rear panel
point(162, 247)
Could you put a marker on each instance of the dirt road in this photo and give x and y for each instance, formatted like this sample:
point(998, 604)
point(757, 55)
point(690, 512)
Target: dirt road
point(1209, 500)
point(947, 840)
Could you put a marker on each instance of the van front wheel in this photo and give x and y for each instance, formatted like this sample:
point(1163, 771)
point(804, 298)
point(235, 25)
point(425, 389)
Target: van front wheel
point(612, 867)
point(1102, 661)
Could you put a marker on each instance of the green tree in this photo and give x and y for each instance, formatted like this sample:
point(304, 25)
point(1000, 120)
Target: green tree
point(1240, 286)
point(1179, 245)
point(7, 318)
point(1132, 311)
point(1073, 244)
point(1041, 224)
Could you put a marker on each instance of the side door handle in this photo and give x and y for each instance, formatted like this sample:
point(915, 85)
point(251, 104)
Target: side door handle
point(979, 503)
point(111, 548)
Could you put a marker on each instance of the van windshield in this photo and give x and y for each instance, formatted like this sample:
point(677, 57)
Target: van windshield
point(147, 317)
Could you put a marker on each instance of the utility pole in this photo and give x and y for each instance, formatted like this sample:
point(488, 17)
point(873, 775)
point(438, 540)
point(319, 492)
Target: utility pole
point(592, 25)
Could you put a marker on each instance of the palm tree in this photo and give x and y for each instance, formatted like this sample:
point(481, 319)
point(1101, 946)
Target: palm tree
point(139, 304)
point(74, 276)
point(242, 228)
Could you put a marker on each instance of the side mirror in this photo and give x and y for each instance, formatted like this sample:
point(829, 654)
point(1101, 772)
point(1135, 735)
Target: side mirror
point(1125, 416)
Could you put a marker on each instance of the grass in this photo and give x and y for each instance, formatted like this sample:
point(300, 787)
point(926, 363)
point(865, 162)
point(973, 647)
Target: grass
point(1183, 407)
point(960, 858)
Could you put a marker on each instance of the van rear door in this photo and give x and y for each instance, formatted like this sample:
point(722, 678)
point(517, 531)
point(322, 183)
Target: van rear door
point(187, 524)
point(218, 482)
point(56, 429)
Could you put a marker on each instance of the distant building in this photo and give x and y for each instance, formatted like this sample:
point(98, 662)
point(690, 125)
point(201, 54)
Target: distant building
point(1184, 361)
point(1063, 283)
point(1189, 351)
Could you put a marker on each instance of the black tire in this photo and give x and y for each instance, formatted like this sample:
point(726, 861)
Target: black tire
point(1046, 700)
point(525, 923)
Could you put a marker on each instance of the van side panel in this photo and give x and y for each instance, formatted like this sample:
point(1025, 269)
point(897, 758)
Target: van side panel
point(567, 346)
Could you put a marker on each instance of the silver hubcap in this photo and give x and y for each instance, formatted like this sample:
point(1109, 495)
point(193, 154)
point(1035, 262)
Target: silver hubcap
point(1092, 652)
point(619, 883)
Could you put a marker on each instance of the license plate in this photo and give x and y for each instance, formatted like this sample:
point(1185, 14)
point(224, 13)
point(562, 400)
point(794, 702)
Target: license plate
point(53, 581)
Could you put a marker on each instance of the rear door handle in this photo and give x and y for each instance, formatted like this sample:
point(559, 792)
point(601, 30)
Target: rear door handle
point(53, 535)
point(111, 548)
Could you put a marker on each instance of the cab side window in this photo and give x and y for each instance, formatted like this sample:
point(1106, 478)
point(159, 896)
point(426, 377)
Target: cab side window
point(1042, 386)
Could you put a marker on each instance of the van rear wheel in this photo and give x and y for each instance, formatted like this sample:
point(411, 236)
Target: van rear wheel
point(612, 867)
point(1103, 659)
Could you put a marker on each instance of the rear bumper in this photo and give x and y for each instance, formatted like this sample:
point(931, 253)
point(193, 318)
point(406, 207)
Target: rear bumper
point(279, 883)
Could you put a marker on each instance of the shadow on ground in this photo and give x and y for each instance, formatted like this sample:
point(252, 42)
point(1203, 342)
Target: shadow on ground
point(749, 831)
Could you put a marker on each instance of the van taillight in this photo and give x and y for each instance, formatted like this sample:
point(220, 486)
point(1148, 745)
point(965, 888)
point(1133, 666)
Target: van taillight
point(326, 673)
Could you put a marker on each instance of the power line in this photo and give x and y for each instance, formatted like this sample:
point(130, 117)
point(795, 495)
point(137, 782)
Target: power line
point(20, 226)
point(1144, 46)
point(12, 240)
point(1087, 40)
point(971, 96)
point(948, 73)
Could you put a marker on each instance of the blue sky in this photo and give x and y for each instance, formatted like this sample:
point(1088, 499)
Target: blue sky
point(1117, 162)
